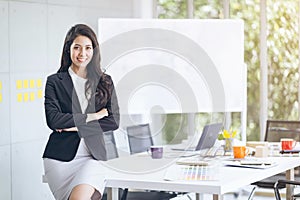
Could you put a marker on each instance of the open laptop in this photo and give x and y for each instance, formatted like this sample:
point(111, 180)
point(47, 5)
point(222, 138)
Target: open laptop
point(208, 138)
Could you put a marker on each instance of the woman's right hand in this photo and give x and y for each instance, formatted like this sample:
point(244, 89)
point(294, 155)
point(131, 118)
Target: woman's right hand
point(102, 113)
point(98, 115)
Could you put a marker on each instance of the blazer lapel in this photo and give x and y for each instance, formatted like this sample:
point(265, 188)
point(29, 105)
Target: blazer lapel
point(67, 83)
point(91, 106)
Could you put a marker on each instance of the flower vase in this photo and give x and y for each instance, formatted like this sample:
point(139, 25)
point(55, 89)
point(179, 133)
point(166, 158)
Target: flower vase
point(228, 145)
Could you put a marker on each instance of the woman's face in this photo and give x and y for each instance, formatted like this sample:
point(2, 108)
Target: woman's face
point(81, 51)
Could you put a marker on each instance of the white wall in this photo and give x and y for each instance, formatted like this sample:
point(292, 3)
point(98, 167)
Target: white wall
point(32, 34)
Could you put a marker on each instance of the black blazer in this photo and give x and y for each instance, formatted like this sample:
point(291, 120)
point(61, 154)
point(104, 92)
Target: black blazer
point(63, 111)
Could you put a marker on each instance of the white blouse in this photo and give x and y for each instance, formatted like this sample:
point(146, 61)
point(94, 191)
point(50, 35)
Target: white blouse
point(79, 86)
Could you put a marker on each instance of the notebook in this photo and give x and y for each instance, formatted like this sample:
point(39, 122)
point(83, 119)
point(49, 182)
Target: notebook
point(290, 151)
point(207, 140)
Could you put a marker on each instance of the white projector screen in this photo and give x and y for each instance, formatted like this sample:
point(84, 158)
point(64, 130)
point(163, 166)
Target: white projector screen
point(175, 66)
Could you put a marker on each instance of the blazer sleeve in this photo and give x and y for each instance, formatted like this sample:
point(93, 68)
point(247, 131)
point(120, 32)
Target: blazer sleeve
point(58, 106)
point(109, 123)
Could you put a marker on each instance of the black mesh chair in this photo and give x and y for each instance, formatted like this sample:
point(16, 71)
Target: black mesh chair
point(285, 182)
point(275, 130)
point(110, 145)
point(112, 153)
point(139, 138)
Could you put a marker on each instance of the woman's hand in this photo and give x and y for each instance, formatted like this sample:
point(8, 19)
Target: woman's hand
point(67, 129)
point(90, 117)
point(98, 115)
point(102, 113)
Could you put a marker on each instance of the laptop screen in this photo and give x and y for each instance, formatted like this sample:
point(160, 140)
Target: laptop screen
point(209, 135)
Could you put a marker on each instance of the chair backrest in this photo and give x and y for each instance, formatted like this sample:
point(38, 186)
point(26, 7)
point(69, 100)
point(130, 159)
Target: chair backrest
point(110, 145)
point(277, 129)
point(139, 138)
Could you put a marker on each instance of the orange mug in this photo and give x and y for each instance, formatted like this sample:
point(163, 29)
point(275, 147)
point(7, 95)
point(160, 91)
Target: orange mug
point(287, 143)
point(240, 152)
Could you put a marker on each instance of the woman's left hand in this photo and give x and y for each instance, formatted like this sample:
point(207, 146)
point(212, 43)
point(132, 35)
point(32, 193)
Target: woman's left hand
point(67, 129)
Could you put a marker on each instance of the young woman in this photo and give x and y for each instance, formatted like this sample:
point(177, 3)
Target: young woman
point(80, 104)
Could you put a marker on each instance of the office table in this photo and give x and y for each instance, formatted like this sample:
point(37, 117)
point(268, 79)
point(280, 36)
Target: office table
point(142, 172)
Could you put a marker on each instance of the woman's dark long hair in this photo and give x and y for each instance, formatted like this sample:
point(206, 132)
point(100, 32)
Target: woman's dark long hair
point(97, 82)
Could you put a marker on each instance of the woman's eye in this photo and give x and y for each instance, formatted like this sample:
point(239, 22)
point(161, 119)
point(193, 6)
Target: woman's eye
point(76, 48)
point(89, 48)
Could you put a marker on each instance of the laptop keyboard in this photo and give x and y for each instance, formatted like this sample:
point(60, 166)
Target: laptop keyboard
point(214, 151)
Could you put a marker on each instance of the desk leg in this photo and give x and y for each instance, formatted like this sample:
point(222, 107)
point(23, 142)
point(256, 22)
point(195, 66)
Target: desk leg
point(290, 175)
point(217, 197)
point(112, 193)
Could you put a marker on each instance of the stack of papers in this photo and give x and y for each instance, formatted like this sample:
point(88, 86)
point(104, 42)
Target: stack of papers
point(192, 162)
point(251, 163)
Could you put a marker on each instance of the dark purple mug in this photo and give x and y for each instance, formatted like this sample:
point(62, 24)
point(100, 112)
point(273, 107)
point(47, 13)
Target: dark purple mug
point(156, 152)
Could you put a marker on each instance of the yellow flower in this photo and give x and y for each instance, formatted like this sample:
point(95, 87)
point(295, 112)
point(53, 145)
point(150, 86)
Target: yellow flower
point(234, 134)
point(229, 134)
point(226, 134)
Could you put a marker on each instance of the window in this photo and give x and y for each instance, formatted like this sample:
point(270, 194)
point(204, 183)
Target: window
point(282, 56)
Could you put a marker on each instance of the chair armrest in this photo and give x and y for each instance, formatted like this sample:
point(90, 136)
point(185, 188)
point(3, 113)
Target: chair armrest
point(280, 182)
point(287, 182)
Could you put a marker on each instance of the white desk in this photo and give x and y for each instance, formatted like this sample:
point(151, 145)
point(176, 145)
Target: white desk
point(142, 172)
